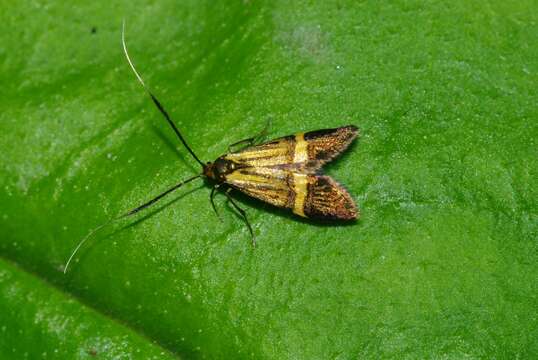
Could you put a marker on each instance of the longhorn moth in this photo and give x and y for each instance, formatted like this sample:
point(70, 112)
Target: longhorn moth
point(284, 172)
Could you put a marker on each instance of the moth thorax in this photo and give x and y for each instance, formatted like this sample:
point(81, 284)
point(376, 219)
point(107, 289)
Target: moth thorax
point(219, 169)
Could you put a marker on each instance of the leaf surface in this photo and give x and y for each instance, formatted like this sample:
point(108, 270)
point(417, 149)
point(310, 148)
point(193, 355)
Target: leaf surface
point(442, 263)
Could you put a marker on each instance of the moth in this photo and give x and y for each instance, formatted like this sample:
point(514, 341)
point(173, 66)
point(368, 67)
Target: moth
point(284, 172)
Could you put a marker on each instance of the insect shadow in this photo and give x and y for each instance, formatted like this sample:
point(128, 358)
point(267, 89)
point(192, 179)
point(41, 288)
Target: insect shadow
point(166, 140)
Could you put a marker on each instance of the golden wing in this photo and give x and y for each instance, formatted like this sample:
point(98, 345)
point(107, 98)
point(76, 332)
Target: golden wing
point(320, 146)
point(325, 199)
point(307, 195)
point(284, 172)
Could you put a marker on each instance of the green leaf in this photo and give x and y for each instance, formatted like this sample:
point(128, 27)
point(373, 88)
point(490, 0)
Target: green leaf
point(442, 263)
point(38, 321)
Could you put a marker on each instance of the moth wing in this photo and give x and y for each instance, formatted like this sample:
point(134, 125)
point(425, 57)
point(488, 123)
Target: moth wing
point(326, 199)
point(324, 145)
point(319, 146)
point(272, 153)
point(271, 185)
point(307, 195)
point(285, 173)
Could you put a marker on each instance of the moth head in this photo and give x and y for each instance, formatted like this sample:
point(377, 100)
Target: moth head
point(219, 169)
point(208, 170)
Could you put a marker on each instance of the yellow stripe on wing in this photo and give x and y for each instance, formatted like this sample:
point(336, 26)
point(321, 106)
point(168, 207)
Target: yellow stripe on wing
point(266, 184)
point(270, 154)
point(300, 186)
point(300, 154)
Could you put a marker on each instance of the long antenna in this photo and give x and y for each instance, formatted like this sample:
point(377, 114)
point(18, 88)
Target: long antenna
point(127, 214)
point(155, 100)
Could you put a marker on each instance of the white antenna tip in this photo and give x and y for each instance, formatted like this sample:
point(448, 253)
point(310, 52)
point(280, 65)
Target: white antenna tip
point(128, 58)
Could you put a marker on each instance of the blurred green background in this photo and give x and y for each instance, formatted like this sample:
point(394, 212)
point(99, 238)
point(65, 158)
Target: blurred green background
point(442, 263)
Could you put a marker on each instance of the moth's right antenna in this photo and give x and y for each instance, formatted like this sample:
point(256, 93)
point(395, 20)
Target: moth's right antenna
point(155, 100)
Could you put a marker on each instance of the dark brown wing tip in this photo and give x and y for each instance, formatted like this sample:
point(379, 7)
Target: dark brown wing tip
point(349, 211)
point(344, 214)
point(354, 130)
point(328, 200)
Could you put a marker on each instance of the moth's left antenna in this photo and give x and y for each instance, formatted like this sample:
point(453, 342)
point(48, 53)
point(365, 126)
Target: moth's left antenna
point(155, 100)
point(127, 214)
point(75, 251)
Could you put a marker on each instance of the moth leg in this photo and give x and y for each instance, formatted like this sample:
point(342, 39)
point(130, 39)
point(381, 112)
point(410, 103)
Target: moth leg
point(245, 143)
point(251, 140)
point(243, 215)
point(212, 200)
